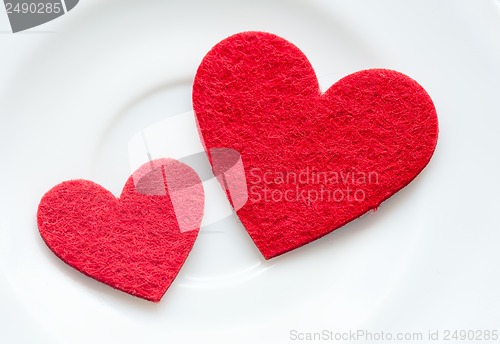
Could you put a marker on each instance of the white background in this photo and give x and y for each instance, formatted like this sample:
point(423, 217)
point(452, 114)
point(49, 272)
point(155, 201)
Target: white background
point(428, 259)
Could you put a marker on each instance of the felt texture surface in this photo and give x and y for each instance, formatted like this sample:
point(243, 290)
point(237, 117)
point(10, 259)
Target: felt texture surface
point(132, 243)
point(313, 161)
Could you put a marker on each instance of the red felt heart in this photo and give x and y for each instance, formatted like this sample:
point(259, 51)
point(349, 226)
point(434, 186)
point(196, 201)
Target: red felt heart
point(136, 243)
point(313, 161)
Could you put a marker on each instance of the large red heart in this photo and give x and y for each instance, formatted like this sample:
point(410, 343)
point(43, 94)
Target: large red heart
point(313, 161)
point(136, 243)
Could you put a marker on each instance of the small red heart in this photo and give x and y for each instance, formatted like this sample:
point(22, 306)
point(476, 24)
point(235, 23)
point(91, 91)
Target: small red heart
point(134, 243)
point(313, 161)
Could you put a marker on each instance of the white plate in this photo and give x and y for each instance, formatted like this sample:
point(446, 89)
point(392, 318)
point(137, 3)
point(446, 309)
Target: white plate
point(72, 98)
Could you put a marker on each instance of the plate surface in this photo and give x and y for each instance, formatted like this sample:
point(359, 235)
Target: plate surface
point(74, 92)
